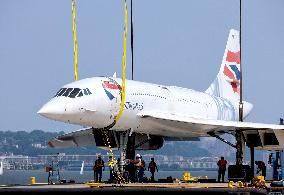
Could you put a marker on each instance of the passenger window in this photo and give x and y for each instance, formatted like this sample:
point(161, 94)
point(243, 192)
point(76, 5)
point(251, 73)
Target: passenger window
point(89, 91)
point(86, 92)
point(74, 93)
point(62, 91)
point(80, 94)
point(67, 92)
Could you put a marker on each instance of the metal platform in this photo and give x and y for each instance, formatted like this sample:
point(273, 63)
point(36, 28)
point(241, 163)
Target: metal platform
point(140, 188)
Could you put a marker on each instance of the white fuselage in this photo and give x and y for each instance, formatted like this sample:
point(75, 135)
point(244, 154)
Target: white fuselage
point(99, 108)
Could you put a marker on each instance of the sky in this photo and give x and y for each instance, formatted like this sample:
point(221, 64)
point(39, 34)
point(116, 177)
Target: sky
point(175, 43)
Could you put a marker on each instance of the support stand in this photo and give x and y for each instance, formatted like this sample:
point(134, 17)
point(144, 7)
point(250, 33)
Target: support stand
point(240, 148)
point(239, 172)
point(53, 171)
point(251, 161)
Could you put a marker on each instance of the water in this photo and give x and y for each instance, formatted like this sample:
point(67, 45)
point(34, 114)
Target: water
point(23, 177)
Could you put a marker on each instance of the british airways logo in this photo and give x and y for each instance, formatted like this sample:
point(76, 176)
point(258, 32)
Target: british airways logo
point(109, 87)
point(231, 70)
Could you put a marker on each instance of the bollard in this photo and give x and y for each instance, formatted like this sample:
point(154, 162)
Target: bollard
point(258, 181)
point(241, 185)
point(230, 184)
point(33, 180)
point(186, 176)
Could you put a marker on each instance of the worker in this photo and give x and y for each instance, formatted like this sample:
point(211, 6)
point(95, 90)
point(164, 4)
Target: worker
point(270, 158)
point(152, 167)
point(98, 169)
point(130, 168)
point(142, 170)
point(139, 164)
point(111, 164)
point(261, 167)
point(222, 163)
point(50, 173)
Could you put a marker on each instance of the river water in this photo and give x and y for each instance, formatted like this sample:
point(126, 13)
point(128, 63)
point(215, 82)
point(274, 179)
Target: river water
point(23, 177)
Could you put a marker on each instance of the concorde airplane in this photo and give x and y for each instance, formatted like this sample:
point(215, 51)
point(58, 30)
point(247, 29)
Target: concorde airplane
point(154, 113)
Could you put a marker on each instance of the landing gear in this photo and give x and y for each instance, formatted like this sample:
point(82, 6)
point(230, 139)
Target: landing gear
point(130, 148)
point(239, 172)
point(242, 171)
point(126, 142)
point(127, 154)
point(123, 139)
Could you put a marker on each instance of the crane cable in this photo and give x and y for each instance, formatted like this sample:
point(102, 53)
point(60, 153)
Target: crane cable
point(132, 62)
point(75, 49)
point(123, 77)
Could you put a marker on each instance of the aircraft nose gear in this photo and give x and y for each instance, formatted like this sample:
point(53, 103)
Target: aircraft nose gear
point(123, 139)
point(125, 144)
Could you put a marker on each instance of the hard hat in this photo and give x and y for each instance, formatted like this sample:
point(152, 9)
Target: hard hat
point(138, 155)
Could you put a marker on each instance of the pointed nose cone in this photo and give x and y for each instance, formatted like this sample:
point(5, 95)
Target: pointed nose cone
point(51, 111)
point(44, 111)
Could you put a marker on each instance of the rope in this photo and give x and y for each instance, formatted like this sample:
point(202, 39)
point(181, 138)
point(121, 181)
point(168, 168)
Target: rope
point(75, 49)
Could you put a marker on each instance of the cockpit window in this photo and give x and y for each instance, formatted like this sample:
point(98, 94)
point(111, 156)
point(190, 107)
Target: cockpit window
point(74, 92)
point(58, 92)
point(62, 91)
point(67, 92)
point(80, 94)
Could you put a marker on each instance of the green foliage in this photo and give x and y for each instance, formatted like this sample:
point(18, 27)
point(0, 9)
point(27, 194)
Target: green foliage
point(21, 143)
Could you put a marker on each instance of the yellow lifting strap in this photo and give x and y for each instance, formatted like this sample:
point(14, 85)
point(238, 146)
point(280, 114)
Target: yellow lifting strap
point(123, 77)
point(75, 50)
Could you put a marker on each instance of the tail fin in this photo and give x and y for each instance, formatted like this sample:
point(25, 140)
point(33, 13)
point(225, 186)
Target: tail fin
point(227, 83)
